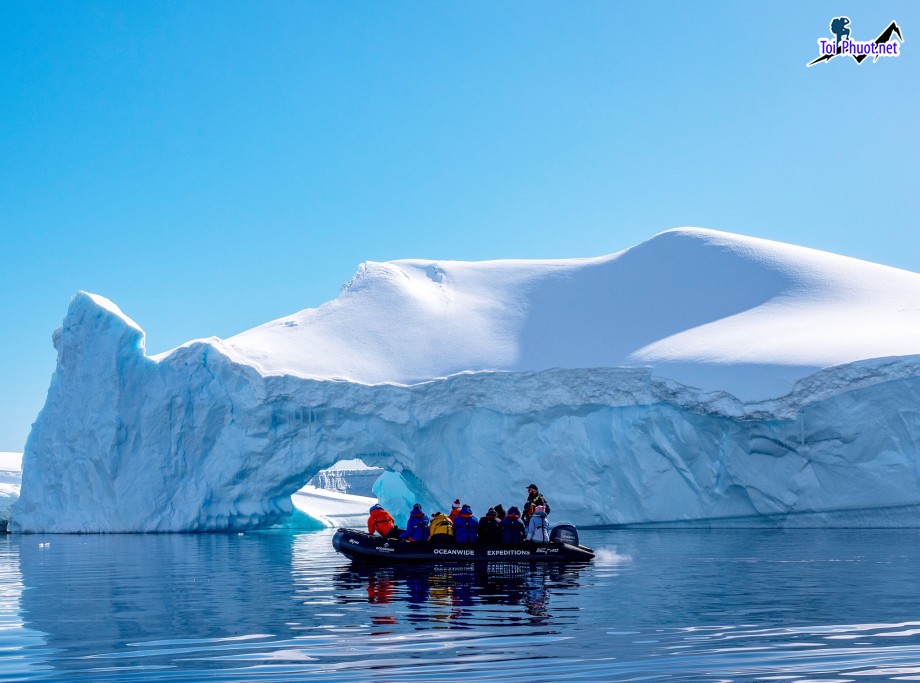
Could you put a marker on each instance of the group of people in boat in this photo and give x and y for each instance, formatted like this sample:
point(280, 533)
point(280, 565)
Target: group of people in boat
point(461, 526)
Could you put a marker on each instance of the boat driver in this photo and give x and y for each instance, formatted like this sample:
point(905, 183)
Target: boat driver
point(534, 498)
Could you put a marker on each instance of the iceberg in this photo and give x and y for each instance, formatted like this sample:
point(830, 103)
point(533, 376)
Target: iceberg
point(699, 378)
point(10, 482)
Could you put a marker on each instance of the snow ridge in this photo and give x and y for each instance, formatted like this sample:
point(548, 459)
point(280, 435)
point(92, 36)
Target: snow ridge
point(706, 308)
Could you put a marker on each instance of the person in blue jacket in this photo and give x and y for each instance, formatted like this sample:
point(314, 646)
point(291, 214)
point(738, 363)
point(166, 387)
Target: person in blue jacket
point(466, 526)
point(512, 528)
point(417, 528)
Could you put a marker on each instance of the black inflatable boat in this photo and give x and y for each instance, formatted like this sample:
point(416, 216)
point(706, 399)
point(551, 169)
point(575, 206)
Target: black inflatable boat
point(359, 545)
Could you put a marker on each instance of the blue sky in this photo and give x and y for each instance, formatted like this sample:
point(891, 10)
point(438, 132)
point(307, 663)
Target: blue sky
point(211, 166)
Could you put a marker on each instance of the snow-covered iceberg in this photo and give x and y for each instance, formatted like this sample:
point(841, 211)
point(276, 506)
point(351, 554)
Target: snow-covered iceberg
point(699, 377)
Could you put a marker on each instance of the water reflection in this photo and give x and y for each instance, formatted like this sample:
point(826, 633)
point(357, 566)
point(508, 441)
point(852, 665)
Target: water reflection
point(658, 605)
point(443, 590)
point(100, 596)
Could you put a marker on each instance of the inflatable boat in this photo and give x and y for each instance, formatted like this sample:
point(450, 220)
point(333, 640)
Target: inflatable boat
point(362, 546)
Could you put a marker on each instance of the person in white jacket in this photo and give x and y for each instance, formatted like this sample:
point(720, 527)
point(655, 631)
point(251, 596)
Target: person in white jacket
point(537, 527)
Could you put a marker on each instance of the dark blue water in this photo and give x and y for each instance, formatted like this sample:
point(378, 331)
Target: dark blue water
point(734, 605)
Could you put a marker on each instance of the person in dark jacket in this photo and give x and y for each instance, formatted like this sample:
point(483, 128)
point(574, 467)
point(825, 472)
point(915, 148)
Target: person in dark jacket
point(466, 526)
point(417, 528)
point(489, 531)
point(512, 528)
point(534, 498)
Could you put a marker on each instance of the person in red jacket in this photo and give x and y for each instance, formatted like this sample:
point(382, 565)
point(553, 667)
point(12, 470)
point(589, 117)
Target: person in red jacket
point(382, 522)
point(455, 510)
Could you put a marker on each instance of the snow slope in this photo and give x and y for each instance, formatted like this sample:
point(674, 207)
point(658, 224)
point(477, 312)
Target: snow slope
point(711, 309)
point(775, 385)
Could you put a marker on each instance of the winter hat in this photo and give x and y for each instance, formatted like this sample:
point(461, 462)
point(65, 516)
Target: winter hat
point(499, 510)
point(513, 511)
point(417, 506)
point(437, 514)
point(532, 486)
point(466, 510)
point(375, 506)
point(537, 510)
point(456, 504)
point(491, 512)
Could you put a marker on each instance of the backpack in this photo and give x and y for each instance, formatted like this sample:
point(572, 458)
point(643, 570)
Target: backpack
point(489, 531)
point(440, 524)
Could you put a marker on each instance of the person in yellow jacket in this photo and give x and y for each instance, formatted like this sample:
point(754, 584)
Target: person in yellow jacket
point(440, 528)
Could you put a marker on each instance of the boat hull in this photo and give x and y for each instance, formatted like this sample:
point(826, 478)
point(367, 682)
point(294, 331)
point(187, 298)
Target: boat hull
point(359, 545)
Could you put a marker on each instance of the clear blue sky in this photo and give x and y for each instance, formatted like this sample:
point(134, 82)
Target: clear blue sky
point(210, 166)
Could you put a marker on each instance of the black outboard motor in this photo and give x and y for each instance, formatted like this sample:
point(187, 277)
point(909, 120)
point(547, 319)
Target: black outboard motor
point(564, 533)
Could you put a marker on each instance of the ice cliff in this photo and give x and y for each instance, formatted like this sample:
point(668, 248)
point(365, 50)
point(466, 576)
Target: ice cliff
point(698, 378)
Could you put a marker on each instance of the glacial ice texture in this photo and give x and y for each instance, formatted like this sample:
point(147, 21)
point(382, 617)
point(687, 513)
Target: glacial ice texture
point(353, 481)
point(196, 441)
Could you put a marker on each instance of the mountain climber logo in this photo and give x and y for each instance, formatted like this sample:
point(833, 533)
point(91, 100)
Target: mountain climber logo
point(883, 46)
point(839, 28)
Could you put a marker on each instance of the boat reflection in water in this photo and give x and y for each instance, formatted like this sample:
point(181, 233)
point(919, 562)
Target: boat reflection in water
point(440, 592)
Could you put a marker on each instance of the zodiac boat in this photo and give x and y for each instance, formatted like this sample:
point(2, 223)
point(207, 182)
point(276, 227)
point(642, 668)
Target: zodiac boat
point(358, 545)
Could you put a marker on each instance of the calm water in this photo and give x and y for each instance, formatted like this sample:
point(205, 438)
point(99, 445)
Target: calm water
point(656, 606)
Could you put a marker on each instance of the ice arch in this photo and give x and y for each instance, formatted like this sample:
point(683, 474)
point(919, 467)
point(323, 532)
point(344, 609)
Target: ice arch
point(198, 442)
point(342, 495)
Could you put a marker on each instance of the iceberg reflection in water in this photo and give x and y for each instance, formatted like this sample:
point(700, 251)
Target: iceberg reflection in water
point(732, 605)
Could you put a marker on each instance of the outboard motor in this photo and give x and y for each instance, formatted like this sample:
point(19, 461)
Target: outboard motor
point(564, 533)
